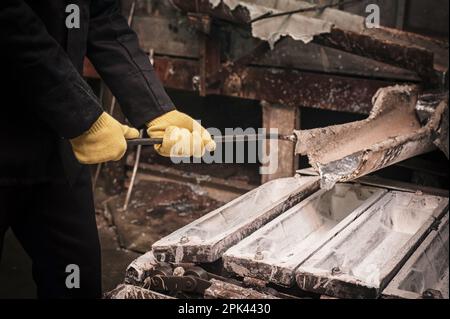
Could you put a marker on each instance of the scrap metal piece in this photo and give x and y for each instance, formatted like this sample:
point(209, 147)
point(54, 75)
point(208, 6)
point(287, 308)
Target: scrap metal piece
point(426, 273)
point(140, 268)
point(273, 252)
point(224, 290)
point(392, 133)
point(370, 251)
point(206, 239)
point(124, 291)
point(176, 284)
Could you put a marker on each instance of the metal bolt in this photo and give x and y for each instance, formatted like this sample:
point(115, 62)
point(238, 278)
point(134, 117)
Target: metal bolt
point(336, 271)
point(259, 255)
point(184, 239)
point(178, 271)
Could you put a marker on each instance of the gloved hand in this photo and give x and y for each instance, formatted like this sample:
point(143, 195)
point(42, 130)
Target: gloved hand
point(103, 142)
point(181, 134)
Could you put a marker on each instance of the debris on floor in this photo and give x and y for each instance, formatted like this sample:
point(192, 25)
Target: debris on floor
point(157, 208)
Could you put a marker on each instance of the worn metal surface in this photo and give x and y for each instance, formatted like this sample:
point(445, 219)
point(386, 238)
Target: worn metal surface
point(442, 140)
point(426, 270)
point(361, 260)
point(140, 269)
point(390, 134)
point(274, 251)
point(206, 239)
point(288, 87)
point(133, 292)
point(223, 290)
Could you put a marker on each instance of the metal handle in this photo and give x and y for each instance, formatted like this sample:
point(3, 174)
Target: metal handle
point(144, 141)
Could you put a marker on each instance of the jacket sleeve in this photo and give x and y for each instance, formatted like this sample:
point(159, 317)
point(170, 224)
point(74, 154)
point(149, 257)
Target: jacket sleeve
point(56, 91)
point(113, 48)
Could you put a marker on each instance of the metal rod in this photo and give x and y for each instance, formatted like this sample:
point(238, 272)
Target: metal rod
point(221, 139)
point(99, 165)
point(133, 175)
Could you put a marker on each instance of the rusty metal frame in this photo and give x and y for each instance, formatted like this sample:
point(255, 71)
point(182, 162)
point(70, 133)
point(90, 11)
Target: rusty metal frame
point(381, 48)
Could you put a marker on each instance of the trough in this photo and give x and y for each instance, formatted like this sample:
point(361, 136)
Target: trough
point(425, 274)
point(207, 238)
point(361, 260)
point(273, 252)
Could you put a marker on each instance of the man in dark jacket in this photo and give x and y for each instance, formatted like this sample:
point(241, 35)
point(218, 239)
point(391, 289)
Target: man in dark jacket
point(51, 124)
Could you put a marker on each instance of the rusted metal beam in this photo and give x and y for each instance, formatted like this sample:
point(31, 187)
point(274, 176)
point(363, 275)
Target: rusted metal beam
point(407, 57)
point(288, 87)
point(381, 46)
point(296, 88)
point(292, 88)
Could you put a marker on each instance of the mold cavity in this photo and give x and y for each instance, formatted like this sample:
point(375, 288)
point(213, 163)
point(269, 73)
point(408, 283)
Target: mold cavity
point(292, 235)
point(367, 247)
point(241, 210)
point(430, 271)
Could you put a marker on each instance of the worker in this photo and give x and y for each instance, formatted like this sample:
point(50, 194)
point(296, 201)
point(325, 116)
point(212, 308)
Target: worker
point(52, 125)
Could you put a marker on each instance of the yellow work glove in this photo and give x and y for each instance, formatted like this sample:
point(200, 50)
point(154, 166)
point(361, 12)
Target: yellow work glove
point(104, 141)
point(182, 135)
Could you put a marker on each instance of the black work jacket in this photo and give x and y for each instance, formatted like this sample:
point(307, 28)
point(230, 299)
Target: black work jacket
point(44, 101)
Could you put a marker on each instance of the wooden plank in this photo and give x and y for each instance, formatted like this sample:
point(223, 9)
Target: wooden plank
point(273, 252)
point(207, 238)
point(361, 260)
point(280, 153)
point(426, 270)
